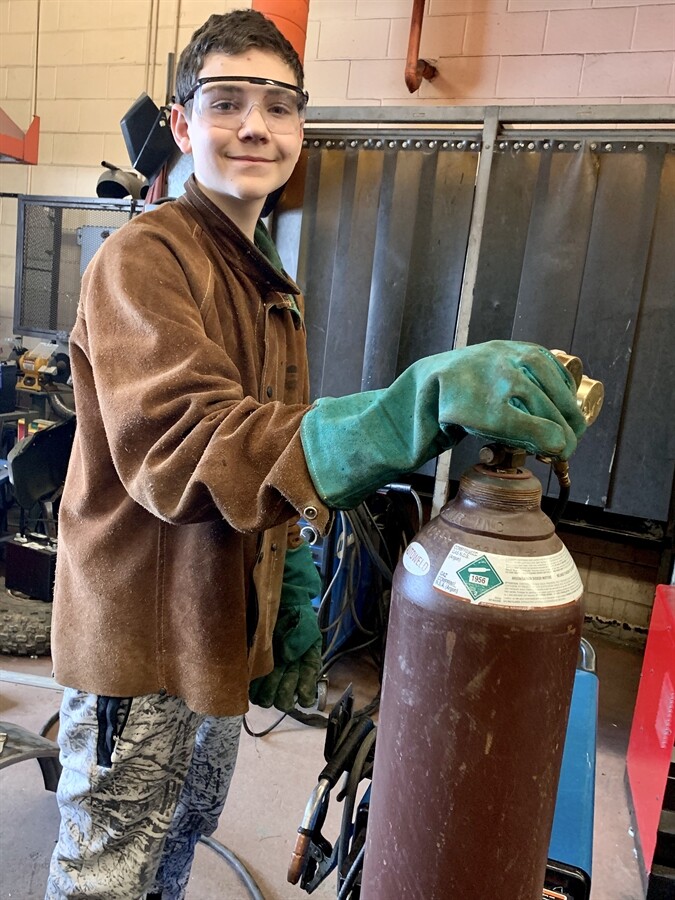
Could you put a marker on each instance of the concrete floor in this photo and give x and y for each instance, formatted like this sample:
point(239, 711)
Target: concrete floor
point(274, 778)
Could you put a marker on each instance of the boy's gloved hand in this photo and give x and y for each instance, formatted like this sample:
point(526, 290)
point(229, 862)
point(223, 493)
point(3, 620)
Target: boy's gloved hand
point(289, 682)
point(505, 391)
point(296, 640)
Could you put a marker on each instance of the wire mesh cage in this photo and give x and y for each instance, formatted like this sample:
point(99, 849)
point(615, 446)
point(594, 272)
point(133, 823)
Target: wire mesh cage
point(56, 239)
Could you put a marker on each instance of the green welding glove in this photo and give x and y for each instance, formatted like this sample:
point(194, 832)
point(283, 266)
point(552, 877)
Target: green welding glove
point(505, 391)
point(296, 640)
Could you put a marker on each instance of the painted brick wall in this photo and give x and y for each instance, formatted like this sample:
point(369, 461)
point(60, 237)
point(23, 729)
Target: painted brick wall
point(486, 51)
point(619, 583)
point(94, 59)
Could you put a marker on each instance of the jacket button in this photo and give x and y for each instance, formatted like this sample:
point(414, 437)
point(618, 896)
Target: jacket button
point(273, 548)
point(270, 390)
point(310, 512)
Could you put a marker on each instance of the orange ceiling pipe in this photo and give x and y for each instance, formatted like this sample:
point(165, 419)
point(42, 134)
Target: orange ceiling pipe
point(415, 68)
point(290, 17)
point(15, 146)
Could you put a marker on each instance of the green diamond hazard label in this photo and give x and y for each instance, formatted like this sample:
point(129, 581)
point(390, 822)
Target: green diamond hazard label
point(479, 577)
point(523, 582)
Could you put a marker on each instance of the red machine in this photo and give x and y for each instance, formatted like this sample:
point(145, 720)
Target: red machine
point(651, 753)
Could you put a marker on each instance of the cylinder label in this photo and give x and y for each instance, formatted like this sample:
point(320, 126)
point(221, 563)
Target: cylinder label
point(496, 580)
point(416, 559)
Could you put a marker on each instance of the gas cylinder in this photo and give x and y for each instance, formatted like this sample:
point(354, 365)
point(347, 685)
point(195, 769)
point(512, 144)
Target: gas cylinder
point(482, 646)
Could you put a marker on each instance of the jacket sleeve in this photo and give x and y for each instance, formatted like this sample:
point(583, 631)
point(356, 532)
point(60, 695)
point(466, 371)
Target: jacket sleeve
point(184, 440)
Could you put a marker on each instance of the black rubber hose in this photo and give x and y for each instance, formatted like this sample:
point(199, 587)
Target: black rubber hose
point(348, 883)
point(354, 779)
point(562, 473)
point(345, 753)
point(257, 734)
point(49, 724)
point(560, 505)
point(63, 411)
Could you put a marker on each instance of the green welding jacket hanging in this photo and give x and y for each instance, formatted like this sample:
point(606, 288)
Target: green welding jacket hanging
point(510, 392)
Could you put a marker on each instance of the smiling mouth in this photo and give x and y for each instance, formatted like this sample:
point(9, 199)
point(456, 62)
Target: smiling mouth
point(251, 159)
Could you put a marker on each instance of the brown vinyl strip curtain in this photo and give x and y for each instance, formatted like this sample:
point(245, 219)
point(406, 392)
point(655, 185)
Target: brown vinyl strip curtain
point(577, 252)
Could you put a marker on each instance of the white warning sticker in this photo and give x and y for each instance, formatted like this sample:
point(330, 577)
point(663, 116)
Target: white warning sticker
point(416, 559)
point(522, 581)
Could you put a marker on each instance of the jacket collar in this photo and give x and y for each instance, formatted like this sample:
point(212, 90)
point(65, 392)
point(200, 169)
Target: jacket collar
point(247, 256)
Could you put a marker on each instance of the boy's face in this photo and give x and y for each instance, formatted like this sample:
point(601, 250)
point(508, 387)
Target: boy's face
point(238, 167)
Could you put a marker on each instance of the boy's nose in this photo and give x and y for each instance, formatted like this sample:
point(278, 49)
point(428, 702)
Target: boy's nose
point(253, 123)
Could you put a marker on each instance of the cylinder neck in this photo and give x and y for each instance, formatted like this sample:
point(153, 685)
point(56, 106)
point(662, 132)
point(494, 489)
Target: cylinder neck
point(514, 489)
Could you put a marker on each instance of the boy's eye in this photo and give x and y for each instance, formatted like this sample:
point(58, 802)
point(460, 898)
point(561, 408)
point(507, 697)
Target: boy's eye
point(224, 106)
point(216, 98)
point(280, 110)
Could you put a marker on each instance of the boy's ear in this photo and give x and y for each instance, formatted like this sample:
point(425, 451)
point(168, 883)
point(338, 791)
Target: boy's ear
point(180, 128)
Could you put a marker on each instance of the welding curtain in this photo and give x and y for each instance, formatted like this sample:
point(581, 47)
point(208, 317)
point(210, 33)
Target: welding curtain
point(577, 252)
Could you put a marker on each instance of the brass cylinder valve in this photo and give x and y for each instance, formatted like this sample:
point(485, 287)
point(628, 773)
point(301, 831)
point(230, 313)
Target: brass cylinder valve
point(590, 393)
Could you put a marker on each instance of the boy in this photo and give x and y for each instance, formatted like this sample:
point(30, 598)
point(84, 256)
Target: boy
point(195, 448)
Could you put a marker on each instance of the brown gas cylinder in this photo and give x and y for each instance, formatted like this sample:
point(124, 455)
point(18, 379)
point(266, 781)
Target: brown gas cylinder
point(481, 651)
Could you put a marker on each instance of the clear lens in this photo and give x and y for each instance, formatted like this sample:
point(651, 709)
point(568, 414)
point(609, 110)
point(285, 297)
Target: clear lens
point(228, 104)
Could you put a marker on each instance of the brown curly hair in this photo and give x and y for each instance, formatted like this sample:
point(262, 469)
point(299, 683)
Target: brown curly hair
point(232, 33)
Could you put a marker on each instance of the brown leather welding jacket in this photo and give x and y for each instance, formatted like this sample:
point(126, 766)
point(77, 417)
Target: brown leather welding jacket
point(190, 376)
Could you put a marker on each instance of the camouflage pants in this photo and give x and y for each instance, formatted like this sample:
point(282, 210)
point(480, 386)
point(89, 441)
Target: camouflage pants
point(142, 779)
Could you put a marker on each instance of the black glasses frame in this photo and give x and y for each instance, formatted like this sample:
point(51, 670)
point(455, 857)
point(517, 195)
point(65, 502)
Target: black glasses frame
point(303, 96)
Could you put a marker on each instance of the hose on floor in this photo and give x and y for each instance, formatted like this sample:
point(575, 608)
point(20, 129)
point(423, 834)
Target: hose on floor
point(236, 864)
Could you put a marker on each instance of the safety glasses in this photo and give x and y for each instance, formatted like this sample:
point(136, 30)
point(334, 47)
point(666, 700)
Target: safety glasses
point(227, 102)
